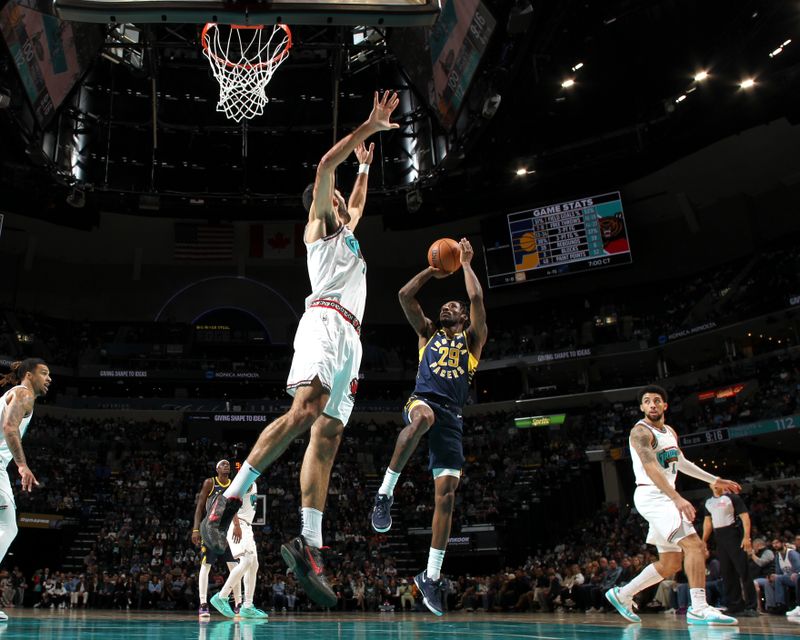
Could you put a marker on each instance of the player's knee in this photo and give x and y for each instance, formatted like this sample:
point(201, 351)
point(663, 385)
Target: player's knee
point(423, 418)
point(446, 500)
point(300, 418)
point(693, 544)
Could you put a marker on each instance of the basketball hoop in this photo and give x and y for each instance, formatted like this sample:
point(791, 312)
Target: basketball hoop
point(243, 60)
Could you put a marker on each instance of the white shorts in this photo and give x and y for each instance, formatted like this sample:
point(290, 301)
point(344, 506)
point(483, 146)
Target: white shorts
point(328, 347)
point(246, 545)
point(667, 524)
point(6, 494)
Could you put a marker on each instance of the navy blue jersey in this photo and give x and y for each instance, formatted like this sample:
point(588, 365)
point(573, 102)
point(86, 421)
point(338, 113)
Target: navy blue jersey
point(216, 489)
point(446, 368)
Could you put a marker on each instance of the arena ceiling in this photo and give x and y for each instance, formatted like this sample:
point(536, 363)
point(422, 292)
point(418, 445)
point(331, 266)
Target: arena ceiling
point(573, 95)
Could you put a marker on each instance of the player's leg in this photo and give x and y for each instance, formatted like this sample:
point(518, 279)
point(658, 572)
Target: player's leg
point(307, 405)
point(237, 585)
point(302, 554)
point(315, 474)
point(220, 601)
point(202, 582)
point(428, 582)
point(419, 418)
point(694, 565)
point(8, 521)
point(666, 526)
point(249, 610)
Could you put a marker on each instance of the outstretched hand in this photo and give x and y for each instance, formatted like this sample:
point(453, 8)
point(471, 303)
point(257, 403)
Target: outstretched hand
point(364, 154)
point(382, 110)
point(466, 251)
point(727, 486)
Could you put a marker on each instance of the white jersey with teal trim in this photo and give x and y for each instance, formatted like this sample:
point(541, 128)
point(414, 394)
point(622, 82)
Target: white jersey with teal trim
point(665, 446)
point(247, 511)
point(338, 271)
point(5, 452)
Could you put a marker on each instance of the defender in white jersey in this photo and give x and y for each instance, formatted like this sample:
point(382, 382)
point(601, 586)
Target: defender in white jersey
point(31, 379)
point(657, 459)
point(324, 374)
point(242, 544)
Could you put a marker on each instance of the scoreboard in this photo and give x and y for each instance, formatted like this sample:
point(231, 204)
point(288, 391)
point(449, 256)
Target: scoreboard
point(557, 239)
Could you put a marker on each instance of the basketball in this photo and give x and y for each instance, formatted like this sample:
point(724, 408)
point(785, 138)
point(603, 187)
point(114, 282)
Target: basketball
point(445, 254)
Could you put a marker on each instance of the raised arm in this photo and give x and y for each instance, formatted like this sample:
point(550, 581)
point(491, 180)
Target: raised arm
point(411, 307)
point(19, 405)
point(321, 216)
point(689, 468)
point(199, 508)
point(642, 442)
point(477, 312)
point(358, 197)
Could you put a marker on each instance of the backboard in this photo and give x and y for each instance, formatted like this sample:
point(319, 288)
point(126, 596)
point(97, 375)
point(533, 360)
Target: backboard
point(393, 13)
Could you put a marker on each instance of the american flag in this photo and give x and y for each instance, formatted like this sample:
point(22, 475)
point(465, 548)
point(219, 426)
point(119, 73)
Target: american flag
point(203, 242)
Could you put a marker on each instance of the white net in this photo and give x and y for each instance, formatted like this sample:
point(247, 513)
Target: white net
point(243, 60)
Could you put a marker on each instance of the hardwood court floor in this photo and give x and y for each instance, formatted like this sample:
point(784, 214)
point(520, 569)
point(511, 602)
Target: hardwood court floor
point(30, 624)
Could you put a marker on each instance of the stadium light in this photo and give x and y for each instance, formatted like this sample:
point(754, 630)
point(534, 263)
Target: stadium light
point(578, 66)
point(747, 83)
point(700, 76)
point(569, 82)
point(680, 98)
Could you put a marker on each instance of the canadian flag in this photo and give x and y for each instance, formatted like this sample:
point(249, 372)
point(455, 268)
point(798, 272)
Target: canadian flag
point(276, 240)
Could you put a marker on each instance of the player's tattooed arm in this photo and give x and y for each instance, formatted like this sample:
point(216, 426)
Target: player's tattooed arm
point(642, 442)
point(20, 405)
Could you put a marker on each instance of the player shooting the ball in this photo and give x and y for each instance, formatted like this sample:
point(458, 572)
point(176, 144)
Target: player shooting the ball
point(448, 358)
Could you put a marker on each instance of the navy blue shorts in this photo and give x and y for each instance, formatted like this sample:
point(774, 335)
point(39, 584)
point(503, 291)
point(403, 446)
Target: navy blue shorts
point(445, 445)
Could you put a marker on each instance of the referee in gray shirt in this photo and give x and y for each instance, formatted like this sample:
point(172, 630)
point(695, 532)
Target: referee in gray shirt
point(724, 512)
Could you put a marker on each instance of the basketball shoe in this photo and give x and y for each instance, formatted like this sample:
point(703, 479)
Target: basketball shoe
point(381, 513)
point(306, 563)
point(222, 605)
point(215, 525)
point(624, 607)
point(249, 611)
point(709, 615)
point(203, 611)
point(431, 591)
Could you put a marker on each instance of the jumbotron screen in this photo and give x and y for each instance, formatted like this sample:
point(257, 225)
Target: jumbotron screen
point(556, 240)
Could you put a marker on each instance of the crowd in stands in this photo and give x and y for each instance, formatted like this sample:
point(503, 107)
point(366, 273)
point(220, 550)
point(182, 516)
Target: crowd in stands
point(138, 483)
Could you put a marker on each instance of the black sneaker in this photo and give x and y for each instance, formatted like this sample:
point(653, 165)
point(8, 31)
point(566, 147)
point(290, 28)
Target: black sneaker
point(214, 526)
point(431, 591)
point(381, 513)
point(306, 563)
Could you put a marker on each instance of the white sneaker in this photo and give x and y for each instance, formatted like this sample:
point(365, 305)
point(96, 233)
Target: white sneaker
point(623, 606)
point(710, 616)
point(794, 613)
point(3, 616)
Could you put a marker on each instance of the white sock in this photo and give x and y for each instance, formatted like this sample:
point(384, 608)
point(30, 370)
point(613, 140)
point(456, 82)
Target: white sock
point(435, 560)
point(241, 483)
point(202, 582)
point(312, 527)
point(234, 580)
point(250, 577)
point(389, 481)
point(647, 578)
point(698, 599)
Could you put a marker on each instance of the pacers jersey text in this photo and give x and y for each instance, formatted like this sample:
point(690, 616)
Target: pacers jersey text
point(446, 368)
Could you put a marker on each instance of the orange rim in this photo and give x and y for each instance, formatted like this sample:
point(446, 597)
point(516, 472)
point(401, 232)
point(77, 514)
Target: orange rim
point(257, 27)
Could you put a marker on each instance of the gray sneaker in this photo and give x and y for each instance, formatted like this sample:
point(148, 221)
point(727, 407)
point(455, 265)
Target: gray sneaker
point(381, 513)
